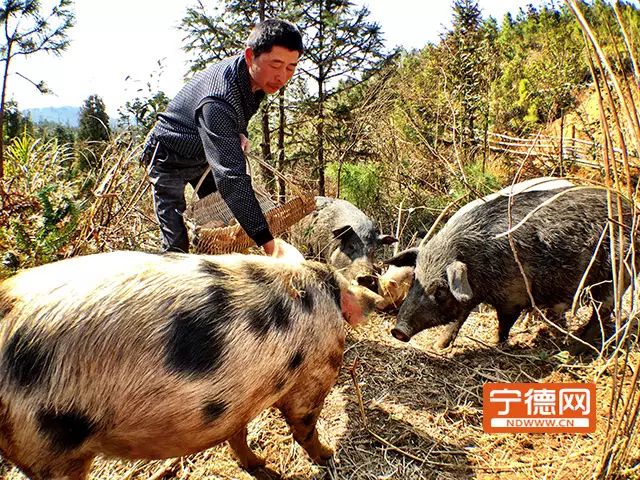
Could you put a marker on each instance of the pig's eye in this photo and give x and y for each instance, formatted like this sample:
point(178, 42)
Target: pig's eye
point(441, 295)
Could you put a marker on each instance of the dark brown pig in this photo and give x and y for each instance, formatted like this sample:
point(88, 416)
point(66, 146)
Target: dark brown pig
point(142, 356)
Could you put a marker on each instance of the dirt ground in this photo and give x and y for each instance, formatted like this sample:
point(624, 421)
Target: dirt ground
point(416, 414)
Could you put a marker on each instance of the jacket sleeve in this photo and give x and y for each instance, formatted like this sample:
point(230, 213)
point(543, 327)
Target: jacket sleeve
point(220, 134)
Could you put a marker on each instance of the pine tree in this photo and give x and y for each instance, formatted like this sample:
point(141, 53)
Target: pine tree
point(342, 44)
point(467, 69)
point(93, 132)
point(15, 123)
point(94, 120)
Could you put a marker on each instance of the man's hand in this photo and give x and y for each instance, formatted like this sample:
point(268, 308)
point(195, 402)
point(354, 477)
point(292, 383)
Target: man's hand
point(244, 144)
point(269, 247)
point(285, 251)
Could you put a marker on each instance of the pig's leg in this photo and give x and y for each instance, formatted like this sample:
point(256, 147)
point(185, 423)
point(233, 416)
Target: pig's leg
point(449, 334)
point(593, 332)
point(599, 327)
point(301, 408)
point(79, 469)
point(64, 468)
point(303, 428)
point(506, 319)
point(246, 457)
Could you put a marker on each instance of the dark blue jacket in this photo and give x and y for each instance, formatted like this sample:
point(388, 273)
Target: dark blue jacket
point(203, 123)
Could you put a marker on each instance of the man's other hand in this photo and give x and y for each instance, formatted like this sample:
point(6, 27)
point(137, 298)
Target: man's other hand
point(244, 144)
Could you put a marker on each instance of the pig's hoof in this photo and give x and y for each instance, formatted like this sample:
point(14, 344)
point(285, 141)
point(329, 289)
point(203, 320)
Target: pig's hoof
point(443, 345)
point(324, 455)
point(324, 460)
point(253, 463)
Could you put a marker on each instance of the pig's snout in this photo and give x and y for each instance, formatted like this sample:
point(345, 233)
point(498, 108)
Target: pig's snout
point(400, 333)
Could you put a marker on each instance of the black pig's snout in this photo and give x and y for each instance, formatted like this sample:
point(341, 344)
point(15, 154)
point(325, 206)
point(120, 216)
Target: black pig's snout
point(400, 334)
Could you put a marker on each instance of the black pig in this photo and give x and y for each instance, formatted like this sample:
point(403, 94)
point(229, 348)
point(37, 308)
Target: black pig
point(470, 261)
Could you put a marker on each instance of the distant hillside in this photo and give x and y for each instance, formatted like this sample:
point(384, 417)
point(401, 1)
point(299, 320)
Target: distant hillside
point(63, 115)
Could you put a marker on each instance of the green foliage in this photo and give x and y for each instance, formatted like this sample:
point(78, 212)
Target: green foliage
point(42, 238)
point(477, 182)
point(40, 225)
point(214, 32)
point(15, 123)
point(33, 162)
point(541, 64)
point(144, 112)
point(217, 30)
point(139, 115)
point(341, 43)
point(93, 133)
point(467, 65)
point(359, 183)
point(50, 130)
point(28, 31)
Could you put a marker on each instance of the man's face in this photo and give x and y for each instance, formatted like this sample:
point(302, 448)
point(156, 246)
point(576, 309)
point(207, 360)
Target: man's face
point(270, 71)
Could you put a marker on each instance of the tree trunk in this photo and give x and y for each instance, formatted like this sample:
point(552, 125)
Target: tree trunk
point(282, 186)
point(320, 126)
point(267, 155)
point(2, 100)
point(562, 144)
point(320, 134)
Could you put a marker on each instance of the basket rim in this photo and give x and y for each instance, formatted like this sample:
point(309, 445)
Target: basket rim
point(233, 238)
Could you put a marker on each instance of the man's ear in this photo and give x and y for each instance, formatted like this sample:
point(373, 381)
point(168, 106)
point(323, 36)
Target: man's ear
point(248, 55)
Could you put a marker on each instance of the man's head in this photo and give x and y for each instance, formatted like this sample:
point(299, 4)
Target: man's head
point(272, 53)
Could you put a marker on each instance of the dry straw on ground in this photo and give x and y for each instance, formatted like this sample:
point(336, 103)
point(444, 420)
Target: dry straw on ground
point(415, 413)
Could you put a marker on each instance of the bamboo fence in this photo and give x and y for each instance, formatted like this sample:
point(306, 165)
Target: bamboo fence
point(566, 151)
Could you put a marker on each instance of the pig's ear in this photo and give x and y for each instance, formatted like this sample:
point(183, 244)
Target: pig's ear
point(342, 231)
point(358, 302)
point(458, 281)
point(406, 258)
point(386, 239)
point(344, 234)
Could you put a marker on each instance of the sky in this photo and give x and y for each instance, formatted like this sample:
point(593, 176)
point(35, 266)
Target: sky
point(116, 46)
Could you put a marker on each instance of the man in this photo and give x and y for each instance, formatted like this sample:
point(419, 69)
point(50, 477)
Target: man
point(206, 125)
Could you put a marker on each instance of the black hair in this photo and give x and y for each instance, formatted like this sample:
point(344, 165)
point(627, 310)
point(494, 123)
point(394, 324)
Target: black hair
point(273, 32)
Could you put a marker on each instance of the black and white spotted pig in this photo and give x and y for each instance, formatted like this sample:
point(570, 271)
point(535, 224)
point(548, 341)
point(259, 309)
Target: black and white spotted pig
point(143, 356)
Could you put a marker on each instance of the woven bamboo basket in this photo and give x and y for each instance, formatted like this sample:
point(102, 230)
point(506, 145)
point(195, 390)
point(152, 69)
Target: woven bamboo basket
point(216, 231)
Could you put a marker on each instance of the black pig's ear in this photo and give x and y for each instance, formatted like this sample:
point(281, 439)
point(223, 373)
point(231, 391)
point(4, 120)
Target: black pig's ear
point(386, 239)
point(406, 258)
point(347, 235)
point(458, 281)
